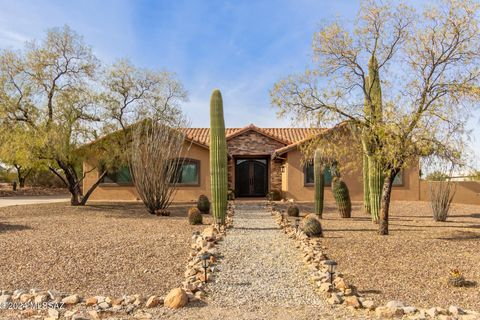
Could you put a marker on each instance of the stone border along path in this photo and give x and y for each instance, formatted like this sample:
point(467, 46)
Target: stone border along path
point(262, 276)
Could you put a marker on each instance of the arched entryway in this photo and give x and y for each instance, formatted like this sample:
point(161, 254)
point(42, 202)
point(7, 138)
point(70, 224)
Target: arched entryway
point(251, 177)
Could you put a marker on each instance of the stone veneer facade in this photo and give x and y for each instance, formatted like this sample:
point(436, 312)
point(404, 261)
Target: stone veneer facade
point(254, 144)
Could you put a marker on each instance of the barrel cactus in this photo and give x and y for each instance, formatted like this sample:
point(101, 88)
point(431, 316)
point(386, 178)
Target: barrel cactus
point(218, 159)
point(293, 211)
point(203, 204)
point(342, 197)
point(194, 216)
point(319, 182)
point(312, 226)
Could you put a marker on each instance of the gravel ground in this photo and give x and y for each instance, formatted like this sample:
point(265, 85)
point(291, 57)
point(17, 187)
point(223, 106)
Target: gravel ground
point(413, 262)
point(101, 249)
point(261, 276)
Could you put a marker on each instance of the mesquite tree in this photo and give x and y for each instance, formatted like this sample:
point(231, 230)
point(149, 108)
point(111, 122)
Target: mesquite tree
point(47, 87)
point(155, 162)
point(54, 90)
point(429, 75)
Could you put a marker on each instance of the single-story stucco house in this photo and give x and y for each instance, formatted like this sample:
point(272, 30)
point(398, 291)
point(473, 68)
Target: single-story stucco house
point(259, 160)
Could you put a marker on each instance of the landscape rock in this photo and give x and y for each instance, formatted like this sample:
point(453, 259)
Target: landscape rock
point(432, 312)
point(177, 298)
point(409, 310)
point(395, 304)
point(388, 312)
point(91, 301)
point(41, 298)
point(455, 311)
point(152, 302)
point(335, 299)
point(369, 304)
point(353, 301)
point(26, 297)
point(53, 313)
point(72, 299)
point(104, 305)
point(5, 298)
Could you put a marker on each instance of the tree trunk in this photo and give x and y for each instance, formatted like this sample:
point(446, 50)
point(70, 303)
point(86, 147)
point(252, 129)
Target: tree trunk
point(92, 188)
point(386, 195)
point(71, 180)
point(21, 176)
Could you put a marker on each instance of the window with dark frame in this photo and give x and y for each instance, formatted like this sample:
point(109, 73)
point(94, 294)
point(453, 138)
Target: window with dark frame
point(308, 175)
point(118, 176)
point(188, 172)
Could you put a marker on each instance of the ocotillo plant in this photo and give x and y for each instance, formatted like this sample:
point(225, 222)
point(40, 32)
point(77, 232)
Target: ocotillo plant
point(374, 114)
point(218, 159)
point(319, 182)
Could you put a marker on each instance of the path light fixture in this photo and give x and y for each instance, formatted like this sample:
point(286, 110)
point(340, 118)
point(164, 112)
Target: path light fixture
point(297, 223)
point(205, 258)
point(331, 264)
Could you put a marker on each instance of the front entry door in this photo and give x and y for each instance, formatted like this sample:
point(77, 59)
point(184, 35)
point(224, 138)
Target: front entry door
point(251, 176)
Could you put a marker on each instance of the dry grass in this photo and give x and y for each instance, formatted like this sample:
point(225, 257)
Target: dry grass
point(100, 249)
point(412, 263)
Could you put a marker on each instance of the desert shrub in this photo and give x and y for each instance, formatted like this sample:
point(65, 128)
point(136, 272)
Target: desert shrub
point(437, 176)
point(194, 216)
point(293, 211)
point(275, 195)
point(441, 196)
point(203, 204)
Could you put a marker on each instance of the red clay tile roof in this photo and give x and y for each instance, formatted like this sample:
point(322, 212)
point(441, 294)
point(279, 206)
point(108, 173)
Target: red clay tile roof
point(285, 135)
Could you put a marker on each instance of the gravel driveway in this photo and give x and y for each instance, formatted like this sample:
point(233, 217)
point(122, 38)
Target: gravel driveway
point(262, 276)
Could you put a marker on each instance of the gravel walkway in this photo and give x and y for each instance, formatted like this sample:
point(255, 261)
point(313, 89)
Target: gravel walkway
point(262, 276)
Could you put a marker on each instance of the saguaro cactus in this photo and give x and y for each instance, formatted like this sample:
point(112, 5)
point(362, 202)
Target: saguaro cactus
point(340, 193)
point(342, 197)
point(218, 159)
point(374, 114)
point(319, 182)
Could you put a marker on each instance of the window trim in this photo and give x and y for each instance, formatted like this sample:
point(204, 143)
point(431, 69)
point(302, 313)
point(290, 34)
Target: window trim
point(311, 184)
point(197, 184)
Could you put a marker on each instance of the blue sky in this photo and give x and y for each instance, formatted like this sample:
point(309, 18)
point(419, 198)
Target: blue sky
point(241, 47)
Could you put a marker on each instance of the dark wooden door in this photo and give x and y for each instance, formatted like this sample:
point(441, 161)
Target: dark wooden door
point(251, 177)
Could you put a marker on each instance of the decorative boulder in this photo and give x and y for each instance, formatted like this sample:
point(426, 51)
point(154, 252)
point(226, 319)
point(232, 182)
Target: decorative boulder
point(177, 298)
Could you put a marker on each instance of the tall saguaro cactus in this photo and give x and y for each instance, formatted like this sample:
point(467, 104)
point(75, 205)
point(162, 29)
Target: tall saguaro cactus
point(218, 159)
point(319, 182)
point(373, 114)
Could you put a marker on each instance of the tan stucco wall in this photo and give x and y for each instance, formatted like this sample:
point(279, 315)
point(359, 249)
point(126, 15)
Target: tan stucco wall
point(295, 188)
point(467, 192)
point(113, 192)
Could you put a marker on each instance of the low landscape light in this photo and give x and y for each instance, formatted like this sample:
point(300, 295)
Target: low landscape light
point(331, 268)
point(297, 223)
point(205, 258)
